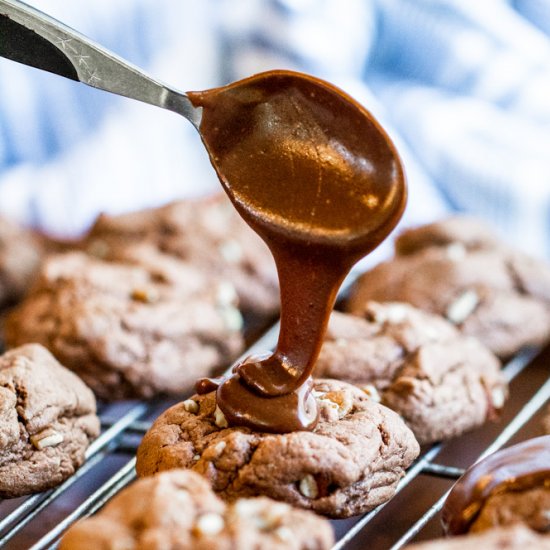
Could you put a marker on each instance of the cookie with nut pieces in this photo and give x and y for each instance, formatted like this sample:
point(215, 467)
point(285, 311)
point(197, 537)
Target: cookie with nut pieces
point(441, 382)
point(207, 233)
point(130, 329)
point(455, 268)
point(350, 463)
point(178, 509)
point(507, 487)
point(47, 421)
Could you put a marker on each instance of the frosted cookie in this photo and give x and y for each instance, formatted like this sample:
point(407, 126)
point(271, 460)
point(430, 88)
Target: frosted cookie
point(487, 290)
point(350, 463)
point(418, 364)
point(510, 486)
point(178, 510)
point(204, 232)
point(130, 330)
point(47, 421)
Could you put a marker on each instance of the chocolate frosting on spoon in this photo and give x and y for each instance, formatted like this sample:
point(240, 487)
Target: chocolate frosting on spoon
point(521, 467)
point(314, 174)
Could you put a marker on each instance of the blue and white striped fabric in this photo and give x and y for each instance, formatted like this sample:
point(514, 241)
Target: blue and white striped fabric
point(463, 87)
point(68, 152)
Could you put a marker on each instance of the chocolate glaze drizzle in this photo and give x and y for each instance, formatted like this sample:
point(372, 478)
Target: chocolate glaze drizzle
point(313, 173)
point(521, 467)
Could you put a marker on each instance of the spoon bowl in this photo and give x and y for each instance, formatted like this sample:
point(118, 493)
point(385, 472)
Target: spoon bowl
point(300, 156)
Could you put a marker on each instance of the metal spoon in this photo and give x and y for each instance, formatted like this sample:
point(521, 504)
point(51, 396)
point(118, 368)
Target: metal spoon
point(33, 38)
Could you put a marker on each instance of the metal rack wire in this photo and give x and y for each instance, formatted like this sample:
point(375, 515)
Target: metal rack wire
point(39, 521)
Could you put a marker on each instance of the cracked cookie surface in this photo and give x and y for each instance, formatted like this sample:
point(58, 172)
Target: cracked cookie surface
point(127, 329)
point(178, 510)
point(207, 233)
point(47, 421)
point(350, 463)
point(457, 270)
point(441, 382)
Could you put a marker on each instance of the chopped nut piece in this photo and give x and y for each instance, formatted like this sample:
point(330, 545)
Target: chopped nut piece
point(498, 397)
point(392, 313)
point(431, 333)
point(219, 418)
point(308, 487)
point(396, 313)
point(232, 318)
point(341, 342)
point(456, 252)
point(250, 510)
point(245, 507)
point(284, 534)
point(231, 251)
point(46, 438)
point(209, 524)
point(220, 447)
point(145, 295)
point(226, 294)
point(331, 404)
point(191, 406)
point(462, 307)
point(372, 393)
point(196, 457)
point(336, 397)
point(341, 401)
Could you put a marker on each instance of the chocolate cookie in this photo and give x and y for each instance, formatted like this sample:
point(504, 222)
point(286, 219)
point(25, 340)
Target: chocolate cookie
point(545, 424)
point(516, 537)
point(508, 487)
point(472, 233)
point(486, 289)
point(418, 364)
point(350, 463)
point(207, 233)
point(20, 254)
point(531, 506)
point(178, 510)
point(47, 421)
point(130, 330)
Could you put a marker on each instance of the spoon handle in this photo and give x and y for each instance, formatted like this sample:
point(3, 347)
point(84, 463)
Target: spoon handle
point(33, 38)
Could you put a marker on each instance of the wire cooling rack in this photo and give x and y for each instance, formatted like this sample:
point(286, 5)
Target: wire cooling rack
point(38, 521)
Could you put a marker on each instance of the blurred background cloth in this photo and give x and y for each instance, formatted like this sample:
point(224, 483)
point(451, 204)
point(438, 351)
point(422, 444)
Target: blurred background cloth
point(462, 86)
